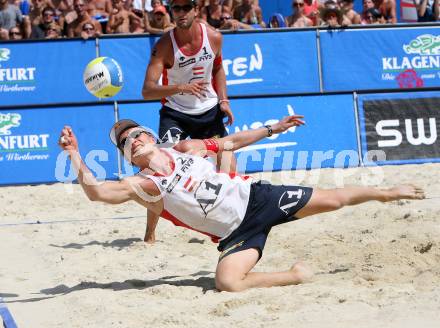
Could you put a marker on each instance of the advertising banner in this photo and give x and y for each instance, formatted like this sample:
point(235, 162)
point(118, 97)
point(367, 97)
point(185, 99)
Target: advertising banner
point(29, 151)
point(372, 59)
point(400, 128)
point(44, 72)
point(271, 63)
point(255, 63)
point(133, 55)
point(327, 140)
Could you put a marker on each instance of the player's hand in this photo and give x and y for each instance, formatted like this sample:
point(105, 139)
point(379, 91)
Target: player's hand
point(198, 88)
point(287, 122)
point(68, 140)
point(225, 108)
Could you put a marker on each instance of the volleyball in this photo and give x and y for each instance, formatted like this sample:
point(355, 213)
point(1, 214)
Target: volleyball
point(103, 77)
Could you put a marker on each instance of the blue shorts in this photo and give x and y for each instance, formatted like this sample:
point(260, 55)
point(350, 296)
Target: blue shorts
point(269, 205)
point(177, 126)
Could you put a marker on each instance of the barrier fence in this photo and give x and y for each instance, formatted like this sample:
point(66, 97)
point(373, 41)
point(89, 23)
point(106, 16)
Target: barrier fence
point(269, 75)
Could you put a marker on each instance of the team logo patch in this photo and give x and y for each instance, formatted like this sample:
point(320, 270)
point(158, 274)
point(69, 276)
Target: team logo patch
point(188, 62)
point(174, 182)
point(290, 199)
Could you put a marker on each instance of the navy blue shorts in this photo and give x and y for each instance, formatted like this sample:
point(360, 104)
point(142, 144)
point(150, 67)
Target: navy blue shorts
point(179, 126)
point(269, 205)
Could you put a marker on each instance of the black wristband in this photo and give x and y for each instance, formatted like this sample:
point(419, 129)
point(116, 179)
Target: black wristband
point(269, 130)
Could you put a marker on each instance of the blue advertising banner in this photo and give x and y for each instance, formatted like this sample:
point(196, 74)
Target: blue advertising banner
point(44, 72)
point(271, 63)
point(327, 140)
point(133, 55)
point(380, 59)
point(400, 128)
point(254, 63)
point(29, 152)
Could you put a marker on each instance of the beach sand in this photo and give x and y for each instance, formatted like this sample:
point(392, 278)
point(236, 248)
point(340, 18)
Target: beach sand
point(85, 264)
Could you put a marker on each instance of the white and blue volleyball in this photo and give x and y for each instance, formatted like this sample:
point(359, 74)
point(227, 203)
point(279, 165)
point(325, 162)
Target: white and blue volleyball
point(103, 77)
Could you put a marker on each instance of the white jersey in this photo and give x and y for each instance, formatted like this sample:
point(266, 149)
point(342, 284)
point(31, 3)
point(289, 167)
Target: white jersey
point(195, 196)
point(189, 68)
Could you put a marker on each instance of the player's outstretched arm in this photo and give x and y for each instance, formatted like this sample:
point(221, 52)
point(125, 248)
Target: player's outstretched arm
point(209, 147)
point(245, 138)
point(111, 192)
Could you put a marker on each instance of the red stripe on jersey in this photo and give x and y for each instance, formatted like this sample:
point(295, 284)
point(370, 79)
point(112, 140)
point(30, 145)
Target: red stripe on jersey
point(235, 174)
point(168, 216)
point(218, 61)
point(195, 183)
point(198, 73)
point(164, 82)
point(198, 68)
point(187, 183)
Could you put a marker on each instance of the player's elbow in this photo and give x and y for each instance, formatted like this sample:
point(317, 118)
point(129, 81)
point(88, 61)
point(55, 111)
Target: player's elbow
point(94, 196)
point(148, 92)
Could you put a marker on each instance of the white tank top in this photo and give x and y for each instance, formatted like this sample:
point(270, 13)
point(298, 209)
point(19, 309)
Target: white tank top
point(197, 197)
point(189, 68)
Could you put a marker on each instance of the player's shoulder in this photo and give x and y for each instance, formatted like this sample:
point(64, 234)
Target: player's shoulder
point(213, 34)
point(164, 40)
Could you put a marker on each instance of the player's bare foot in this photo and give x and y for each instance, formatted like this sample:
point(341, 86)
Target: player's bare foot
point(301, 273)
point(150, 239)
point(405, 192)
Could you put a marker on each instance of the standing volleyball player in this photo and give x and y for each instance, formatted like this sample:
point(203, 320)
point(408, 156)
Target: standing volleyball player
point(193, 89)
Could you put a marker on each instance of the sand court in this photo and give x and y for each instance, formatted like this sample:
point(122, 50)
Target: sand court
point(68, 262)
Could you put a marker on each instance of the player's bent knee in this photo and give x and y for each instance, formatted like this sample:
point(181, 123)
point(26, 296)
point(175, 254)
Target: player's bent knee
point(228, 284)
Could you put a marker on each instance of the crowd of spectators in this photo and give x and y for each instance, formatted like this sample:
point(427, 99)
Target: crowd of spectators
point(38, 19)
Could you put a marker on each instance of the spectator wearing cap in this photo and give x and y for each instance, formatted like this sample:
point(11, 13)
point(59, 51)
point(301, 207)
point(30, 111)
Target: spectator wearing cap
point(158, 23)
point(119, 21)
point(332, 16)
point(427, 10)
point(372, 16)
point(74, 29)
point(276, 21)
point(249, 13)
point(229, 23)
point(53, 31)
point(298, 18)
point(47, 17)
point(347, 6)
point(387, 9)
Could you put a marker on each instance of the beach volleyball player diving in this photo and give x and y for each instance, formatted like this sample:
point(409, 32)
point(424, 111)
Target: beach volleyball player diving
point(237, 212)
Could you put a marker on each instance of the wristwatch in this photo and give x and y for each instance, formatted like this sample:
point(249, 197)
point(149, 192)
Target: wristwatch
point(269, 130)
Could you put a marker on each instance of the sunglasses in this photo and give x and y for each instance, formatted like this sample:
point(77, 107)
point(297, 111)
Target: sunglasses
point(185, 8)
point(133, 136)
point(298, 4)
point(14, 33)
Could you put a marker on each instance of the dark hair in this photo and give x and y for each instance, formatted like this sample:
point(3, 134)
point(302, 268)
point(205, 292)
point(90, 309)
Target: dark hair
point(374, 12)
